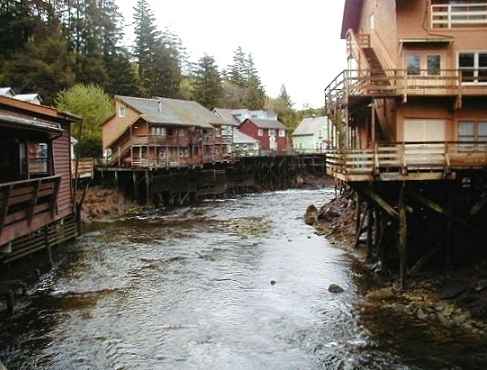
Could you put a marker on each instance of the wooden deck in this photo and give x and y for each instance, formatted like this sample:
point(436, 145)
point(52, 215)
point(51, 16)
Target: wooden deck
point(406, 161)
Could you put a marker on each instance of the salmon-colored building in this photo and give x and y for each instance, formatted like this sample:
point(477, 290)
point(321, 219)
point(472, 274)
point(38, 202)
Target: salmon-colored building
point(416, 74)
point(271, 134)
point(161, 133)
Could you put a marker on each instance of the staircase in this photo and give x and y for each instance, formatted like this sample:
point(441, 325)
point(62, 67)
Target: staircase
point(377, 82)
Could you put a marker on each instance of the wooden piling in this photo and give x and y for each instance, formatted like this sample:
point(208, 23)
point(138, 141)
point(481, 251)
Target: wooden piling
point(403, 230)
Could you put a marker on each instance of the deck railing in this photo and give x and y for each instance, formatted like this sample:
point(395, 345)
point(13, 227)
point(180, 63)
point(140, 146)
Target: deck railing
point(397, 82)
point(467, 15)
point(21, 202)
point(404, 158)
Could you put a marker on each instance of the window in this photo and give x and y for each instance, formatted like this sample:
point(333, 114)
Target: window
point(158, 131)
point(282, 133)
point(122, 111)
point(272, 132)
point(260, 132)
point(372, 22)
point(470, 131)
point(473, 66)
point(413, 64)
point(434, 65)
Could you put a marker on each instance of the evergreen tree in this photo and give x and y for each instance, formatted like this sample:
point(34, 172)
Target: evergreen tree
point(255, 94)
point(207, 83)
point(147, 44)
point(44, 66)
point(237, 71)
point(285, 98)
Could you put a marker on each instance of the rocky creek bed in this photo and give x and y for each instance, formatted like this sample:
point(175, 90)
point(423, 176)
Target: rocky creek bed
point(446, 306)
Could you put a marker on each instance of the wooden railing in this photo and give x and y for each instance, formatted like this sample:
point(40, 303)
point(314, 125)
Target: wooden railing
point(404, 158)
point(26, 200)
point(397, 82)
point(467, 15)
point(356, 42)
point(86, 168)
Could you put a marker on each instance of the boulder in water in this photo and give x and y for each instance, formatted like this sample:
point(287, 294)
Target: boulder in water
point(336, 289)
point(311, 216)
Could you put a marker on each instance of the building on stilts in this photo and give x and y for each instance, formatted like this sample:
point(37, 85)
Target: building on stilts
point(410, 127)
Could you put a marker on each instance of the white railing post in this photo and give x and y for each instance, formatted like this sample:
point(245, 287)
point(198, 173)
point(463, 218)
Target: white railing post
point(449, 15)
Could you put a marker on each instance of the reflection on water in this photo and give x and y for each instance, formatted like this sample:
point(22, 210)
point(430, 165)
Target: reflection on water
point(191, 290)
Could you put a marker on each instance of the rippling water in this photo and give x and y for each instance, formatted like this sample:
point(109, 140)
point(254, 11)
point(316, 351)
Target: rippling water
point(191, 290)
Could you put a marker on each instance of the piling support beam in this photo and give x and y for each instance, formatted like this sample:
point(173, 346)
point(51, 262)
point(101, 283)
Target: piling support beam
point(148, 196)
point(403, 232)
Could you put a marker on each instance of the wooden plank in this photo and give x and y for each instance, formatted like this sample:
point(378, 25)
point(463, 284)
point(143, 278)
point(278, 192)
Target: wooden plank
point(377, 199)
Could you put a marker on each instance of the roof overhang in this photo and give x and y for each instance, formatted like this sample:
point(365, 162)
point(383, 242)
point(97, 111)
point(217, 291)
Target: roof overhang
point(351, 16)
point(30, 124)
point(439, 41)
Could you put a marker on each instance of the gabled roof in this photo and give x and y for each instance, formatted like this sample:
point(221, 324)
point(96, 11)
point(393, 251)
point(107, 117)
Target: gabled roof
point(227, 115)
point(189, 113)
point(310, 126)
point(172, 111)
point(351, 16)
point(240, 138)
point(267, 123)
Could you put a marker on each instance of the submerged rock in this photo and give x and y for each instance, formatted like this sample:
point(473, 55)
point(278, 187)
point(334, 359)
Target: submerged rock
point(311, 216)
point(273, 282)
point(336, 289)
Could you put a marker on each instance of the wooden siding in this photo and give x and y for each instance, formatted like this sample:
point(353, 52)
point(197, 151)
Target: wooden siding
point(62, 167)
point(249, 128)
point(116, 126)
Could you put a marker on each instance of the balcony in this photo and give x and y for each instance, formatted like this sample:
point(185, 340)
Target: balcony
point(451, 16)
point(406, 161)
point(27, 205)
point(351, 84)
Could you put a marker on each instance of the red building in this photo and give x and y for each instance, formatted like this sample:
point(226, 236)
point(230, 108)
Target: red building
point(271, 134)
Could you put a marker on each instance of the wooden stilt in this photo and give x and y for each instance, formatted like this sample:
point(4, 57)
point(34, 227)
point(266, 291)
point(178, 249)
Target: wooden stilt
point(147, 188)
point(403, 231)
point(370, 242)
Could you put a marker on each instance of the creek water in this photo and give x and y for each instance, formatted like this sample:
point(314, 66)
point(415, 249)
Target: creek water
point(192, 290)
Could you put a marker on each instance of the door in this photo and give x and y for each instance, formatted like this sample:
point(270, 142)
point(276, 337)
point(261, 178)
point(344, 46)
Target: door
point(272, 141)
point(422, 131)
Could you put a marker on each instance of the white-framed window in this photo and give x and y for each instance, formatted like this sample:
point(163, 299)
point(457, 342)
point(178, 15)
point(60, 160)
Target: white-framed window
point(158, 131)
point(122, 111)
point(260, 132)
point(272, 132)
point(282, 133)
point(473, 65)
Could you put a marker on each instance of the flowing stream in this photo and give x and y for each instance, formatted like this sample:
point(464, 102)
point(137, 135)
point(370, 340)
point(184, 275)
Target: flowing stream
point(192, 290)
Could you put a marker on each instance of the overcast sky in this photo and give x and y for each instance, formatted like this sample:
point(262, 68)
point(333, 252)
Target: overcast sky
point(294, 42)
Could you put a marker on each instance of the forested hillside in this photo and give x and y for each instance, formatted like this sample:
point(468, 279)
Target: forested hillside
point(48, 46)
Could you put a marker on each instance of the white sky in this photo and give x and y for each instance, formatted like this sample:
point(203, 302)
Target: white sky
point(295, 42)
